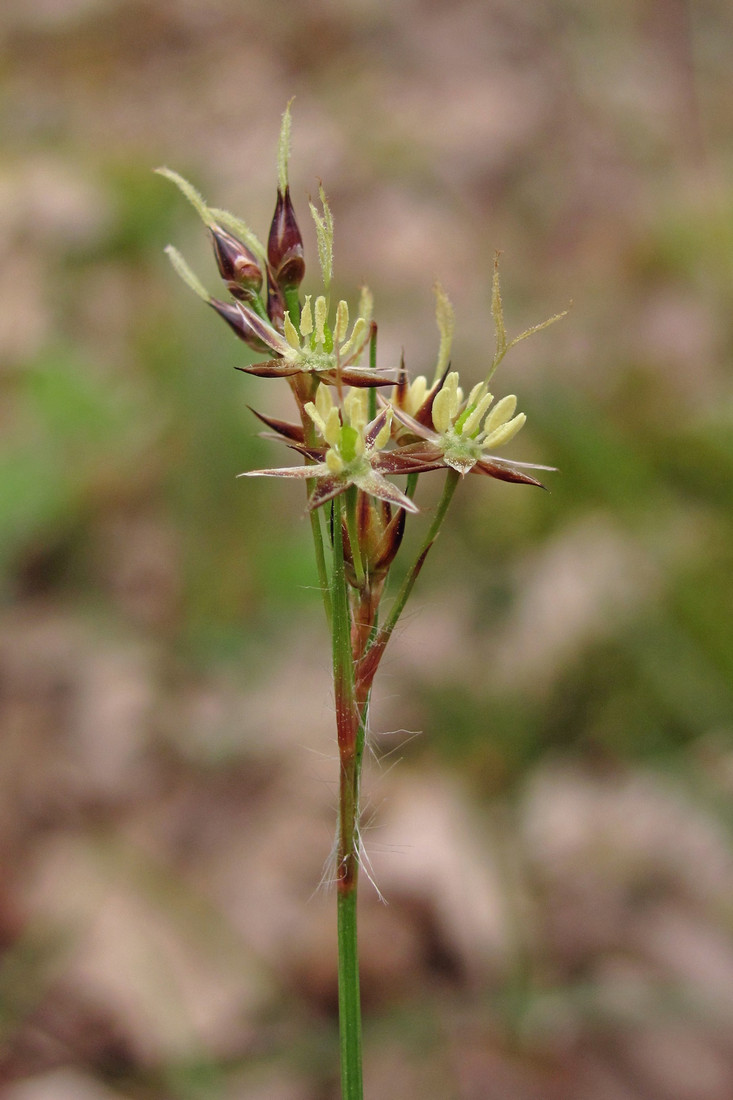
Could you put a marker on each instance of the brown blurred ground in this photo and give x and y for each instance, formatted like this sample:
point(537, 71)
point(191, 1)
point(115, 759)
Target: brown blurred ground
point(555, 847)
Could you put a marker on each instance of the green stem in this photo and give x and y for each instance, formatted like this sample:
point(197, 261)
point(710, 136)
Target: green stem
point(309, 434)
point(350, 742)
point(292, 304)
point(349, 1008)
point(353, 532)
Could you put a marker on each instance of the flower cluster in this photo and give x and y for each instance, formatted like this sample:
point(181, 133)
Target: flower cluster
point(351, 438)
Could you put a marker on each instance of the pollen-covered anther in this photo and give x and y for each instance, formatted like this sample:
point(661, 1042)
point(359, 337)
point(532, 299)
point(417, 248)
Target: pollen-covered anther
point(358, 334)
point(383, 436)
point(291, 334)
point(317, 416)
point(416, 394)
point(332, 427)
point(327, 420)
point(506, 432)
point(501, 413)
point(306, 317)
point(342, 322)
point(334, 462)
point(357, 409)
point(474, 418)
point(324, 401)
point(321, 317)
point(446, 404)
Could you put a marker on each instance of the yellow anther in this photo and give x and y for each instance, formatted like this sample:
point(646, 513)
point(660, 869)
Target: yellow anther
point(442, 419)
point(357, 336)
point(290, 334)
point(306, 317)
point(357, 409)
point(505, 432)
point(332, 428)
point(416, 394)
point(384, 433)
point(342, 322)
point(324, 401)
point(321, 318)
point(316, 416)
point(334, 462)
point(502, 411)
point(474, 418)
point(476, 394)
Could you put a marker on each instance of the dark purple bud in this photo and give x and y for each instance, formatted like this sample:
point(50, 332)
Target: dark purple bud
point(285, 245)
point(238, 266)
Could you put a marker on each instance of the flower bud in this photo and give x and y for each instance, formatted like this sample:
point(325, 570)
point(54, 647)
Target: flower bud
point(285, 245)
point(238, 266)
point(380, 533)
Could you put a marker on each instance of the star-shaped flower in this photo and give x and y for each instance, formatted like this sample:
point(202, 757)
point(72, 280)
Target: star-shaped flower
point(350, 451)
point(461, 433)
point(314, 347)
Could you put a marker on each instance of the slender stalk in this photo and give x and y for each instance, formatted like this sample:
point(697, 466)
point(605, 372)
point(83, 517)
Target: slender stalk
point(349, 1009)
point(350, 742)
point(353, 532)
point(309, 433)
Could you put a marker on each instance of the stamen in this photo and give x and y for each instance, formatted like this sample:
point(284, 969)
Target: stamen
point(332, 429)
point(418, 389)
point(475, 417)
point(442, 419)
point(501, 412)
point(334, 462)
point(324, 401)
point(306, 317)
point(384, 433)
point(356, 407)
point(321, 316)
point(357, 336)
point(504, 433)
point(316, 416)
point(290, 333)
point(342, 322)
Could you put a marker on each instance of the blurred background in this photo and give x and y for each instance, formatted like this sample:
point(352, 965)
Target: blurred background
point(549, 799)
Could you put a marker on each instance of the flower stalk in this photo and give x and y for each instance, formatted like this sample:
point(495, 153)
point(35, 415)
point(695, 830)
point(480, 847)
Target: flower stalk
point(352, 442)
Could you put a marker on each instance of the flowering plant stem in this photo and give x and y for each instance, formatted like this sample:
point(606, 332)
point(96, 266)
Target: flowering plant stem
point(350, 444)
point(357, 650)
point(350, 728)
